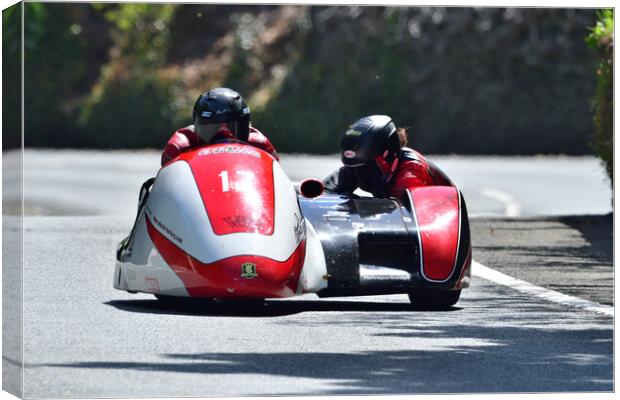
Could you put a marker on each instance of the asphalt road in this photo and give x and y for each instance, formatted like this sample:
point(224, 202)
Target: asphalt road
point(572, 255)
point(82, 338)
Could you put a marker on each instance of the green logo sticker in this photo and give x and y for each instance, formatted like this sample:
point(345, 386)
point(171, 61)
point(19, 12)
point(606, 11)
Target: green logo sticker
point(352, 132)
point(248, 270)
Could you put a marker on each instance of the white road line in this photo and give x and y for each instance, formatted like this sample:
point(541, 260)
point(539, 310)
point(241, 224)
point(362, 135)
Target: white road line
point(492, 275)
point(511, 207)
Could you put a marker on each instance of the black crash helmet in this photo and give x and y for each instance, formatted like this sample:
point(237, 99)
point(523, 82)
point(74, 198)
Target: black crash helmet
point(221, 108)
point(368, 138)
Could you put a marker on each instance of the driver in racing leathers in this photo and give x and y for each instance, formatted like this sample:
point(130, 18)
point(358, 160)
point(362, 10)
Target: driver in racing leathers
point(375, 159)
point(218, 114)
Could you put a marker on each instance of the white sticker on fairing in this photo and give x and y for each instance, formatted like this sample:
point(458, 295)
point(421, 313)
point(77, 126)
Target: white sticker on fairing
point(230, 149)
point(206, 114)
point(349, 154)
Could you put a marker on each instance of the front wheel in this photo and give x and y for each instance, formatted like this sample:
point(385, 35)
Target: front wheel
point(434, 298)
point(190, 302)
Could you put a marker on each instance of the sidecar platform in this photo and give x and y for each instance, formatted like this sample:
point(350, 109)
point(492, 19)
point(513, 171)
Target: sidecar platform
point(373, 246)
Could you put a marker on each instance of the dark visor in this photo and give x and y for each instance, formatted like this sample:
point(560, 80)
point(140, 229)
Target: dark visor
point(208, 131)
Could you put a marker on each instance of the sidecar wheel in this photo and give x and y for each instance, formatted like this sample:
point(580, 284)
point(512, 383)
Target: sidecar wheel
point(436, 299)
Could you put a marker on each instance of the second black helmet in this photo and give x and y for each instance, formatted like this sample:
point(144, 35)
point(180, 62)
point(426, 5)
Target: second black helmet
point(368, 138)
point(221, 108)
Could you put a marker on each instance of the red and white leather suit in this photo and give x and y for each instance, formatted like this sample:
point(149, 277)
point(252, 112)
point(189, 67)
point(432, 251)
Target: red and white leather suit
point(186, 138)
point(412, 170)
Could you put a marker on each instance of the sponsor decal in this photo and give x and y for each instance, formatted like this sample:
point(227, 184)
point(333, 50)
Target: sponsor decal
point(337, 216)
point(248, 271)
point(152, 284)
point(229, 149)
point(206, 114)
point(349, 154)
point(163, 227)
point(353, 132)
point(241, 221)
point(246, 110)
point(381, 274)
point(336, 213)
point(300, 228)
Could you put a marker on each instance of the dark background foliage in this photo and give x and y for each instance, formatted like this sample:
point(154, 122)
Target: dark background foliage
point(11, 78)
point(601, 39)
point(465, 80)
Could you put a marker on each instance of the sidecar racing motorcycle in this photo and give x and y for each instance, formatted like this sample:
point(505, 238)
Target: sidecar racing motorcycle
point(225, 221)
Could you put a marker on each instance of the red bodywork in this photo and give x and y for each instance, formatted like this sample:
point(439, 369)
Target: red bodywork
point(237, 188)
point(223, 278)
point(437, 209)
point(236, 185)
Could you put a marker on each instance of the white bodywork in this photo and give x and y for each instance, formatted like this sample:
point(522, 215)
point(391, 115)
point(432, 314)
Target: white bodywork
point(175, 208)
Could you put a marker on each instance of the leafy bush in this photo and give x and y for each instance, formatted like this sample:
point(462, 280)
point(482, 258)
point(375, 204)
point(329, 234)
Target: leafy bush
point(129, 109)
point(55, 58)
point(11, 77)
point(466, 80)
point(601, 39)
point(133, 103)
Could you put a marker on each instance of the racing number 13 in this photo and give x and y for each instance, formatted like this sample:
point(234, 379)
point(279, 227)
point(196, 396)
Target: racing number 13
point(244, 179)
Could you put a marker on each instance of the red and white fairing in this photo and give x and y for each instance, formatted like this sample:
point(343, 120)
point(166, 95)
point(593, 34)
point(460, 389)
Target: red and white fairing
point(222, 221)
point(438, 216)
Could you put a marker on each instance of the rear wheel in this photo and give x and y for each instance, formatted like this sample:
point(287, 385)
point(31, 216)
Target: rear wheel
point(434, 298)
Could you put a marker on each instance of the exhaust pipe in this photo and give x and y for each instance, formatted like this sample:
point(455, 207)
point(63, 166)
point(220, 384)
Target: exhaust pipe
point(311, 188)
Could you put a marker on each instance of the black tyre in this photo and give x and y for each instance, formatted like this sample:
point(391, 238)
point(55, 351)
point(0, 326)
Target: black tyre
point(436, 299)
point(245, 302)
point(177, 301)
point(168, 299)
